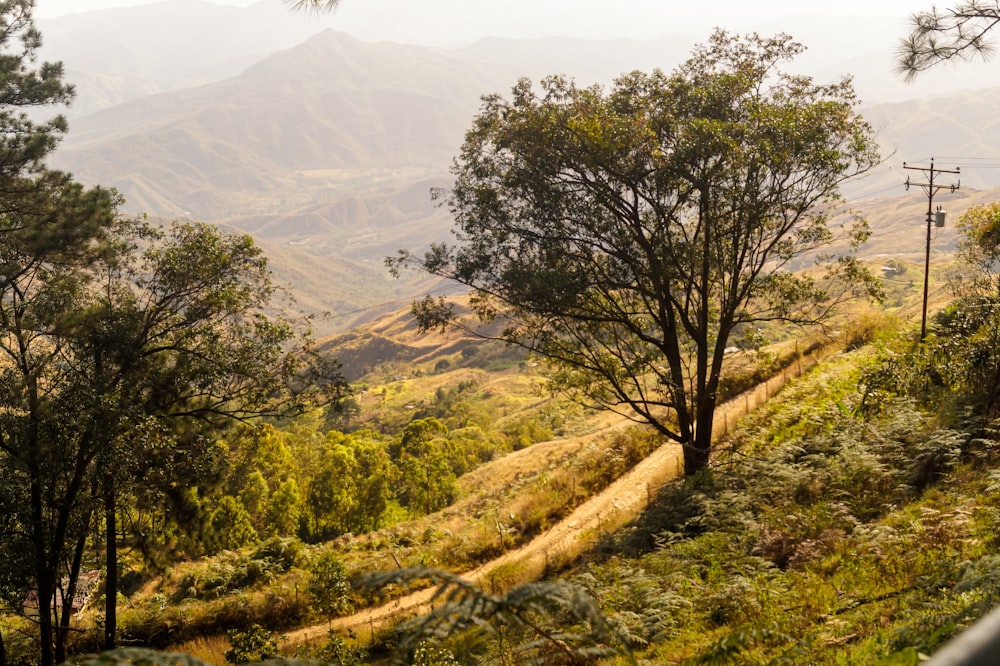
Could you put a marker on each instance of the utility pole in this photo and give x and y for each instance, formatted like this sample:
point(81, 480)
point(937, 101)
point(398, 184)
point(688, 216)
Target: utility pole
point(931, 189)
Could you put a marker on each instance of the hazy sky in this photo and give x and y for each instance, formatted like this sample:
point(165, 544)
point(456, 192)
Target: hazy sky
point(53, 8)
point(433, 21)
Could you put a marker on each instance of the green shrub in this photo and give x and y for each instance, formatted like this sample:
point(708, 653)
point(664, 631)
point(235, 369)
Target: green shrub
point(231, 571)
point(428, 653)
point(231, 527)
point(641, 606)
point(283, 552)
point(337, 652)
point(330, 587)
point(253, 645)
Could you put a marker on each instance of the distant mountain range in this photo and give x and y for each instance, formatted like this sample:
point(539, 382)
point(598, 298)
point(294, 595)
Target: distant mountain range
point(114, 55)
point(326, 151)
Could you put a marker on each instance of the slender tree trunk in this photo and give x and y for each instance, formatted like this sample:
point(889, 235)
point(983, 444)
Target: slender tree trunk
point(44, 574)
point(111, 578)
point(69, 595)
point(63, 607)
point(46, 592)
point(3, 652)
point(699, 447)
point(44, 578)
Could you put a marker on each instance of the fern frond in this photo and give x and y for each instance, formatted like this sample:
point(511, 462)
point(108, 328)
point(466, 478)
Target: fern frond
point(558, 616)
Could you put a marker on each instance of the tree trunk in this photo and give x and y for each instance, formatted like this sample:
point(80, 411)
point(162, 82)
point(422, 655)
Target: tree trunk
point(46, 592)
point(699, 450)
point(63, 608)
point(111, 578)
point(695, 458)
point(69, 595)
point(44, 579)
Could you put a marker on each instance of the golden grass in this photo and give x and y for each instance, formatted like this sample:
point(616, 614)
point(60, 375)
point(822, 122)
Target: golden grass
point(210, 649)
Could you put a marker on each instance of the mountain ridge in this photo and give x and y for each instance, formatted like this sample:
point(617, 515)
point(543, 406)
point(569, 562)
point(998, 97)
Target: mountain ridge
point(328, 150)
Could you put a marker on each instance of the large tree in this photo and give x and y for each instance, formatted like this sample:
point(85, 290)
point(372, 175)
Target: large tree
point(120, 346)
point(26, 137)
point(123, 352)
point(939, 35)
point(174, 344)
point(627, 235)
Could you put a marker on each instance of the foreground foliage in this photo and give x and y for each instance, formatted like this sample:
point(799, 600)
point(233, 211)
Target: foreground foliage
point(535, 623)
point(827, 535)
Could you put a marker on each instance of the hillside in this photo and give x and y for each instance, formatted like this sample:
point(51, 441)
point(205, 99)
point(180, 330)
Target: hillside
point(619, 504)
point(332, 104)
point(898, 219)
point(831, 530)
point(335, 119)
point(855, 486)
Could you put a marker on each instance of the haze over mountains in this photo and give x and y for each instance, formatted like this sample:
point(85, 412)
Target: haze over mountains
point(326, 147)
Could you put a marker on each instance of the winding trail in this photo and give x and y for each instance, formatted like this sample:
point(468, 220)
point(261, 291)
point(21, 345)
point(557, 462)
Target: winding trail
point(615, 506)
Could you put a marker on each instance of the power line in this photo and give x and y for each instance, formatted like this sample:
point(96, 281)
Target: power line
point(974, 161)
point(972, 158)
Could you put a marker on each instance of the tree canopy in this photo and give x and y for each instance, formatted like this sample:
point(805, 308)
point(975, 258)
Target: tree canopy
point(939, 35)
point(25, 84)
point(628, 235)
point(45, 220)
point(120, 364)
point(958, 365)
point(967, 331)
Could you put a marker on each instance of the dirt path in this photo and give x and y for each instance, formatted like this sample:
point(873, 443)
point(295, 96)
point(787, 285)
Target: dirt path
point(618, 504)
